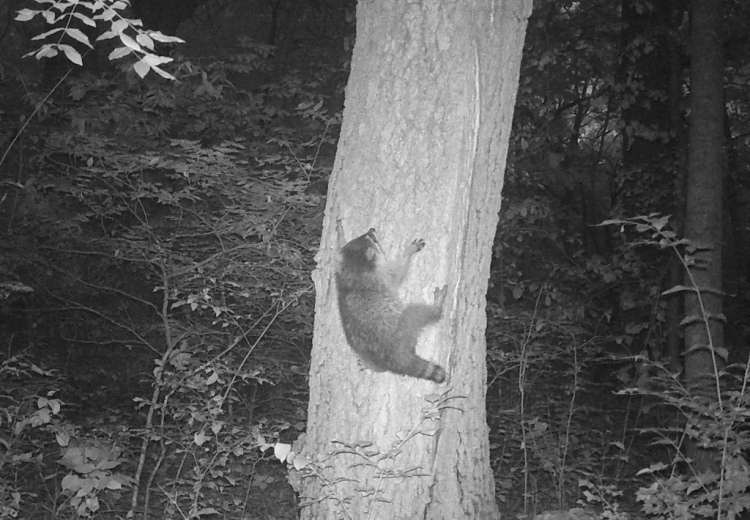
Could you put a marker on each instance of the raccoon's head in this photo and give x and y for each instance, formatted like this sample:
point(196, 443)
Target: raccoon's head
point(363, 252)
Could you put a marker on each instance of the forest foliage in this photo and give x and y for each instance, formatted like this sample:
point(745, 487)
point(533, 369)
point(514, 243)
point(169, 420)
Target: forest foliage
point(157, 239)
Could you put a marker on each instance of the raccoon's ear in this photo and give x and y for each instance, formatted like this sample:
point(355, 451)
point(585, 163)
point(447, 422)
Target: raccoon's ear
point(371, 253)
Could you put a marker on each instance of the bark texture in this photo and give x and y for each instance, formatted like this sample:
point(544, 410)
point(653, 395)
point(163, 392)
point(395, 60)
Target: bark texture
point(703, 219)
point(422, 154)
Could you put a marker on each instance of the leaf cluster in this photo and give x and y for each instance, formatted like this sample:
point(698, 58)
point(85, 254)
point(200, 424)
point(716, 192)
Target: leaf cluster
point(63, 15)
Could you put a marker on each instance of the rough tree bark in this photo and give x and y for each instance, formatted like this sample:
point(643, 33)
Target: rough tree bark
point(422, 154)
point(703, 217)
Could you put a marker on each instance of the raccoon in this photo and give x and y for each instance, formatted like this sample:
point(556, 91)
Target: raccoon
point(378, 326)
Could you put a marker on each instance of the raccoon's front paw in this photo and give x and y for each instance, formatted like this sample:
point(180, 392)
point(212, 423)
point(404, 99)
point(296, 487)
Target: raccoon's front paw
point(415, 247)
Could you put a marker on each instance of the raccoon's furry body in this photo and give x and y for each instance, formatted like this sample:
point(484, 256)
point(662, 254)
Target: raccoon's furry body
point(378, 326)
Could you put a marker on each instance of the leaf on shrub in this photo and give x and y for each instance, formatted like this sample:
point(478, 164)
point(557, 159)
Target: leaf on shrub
point(106, 16)
point(93, 504)
point(129, 42)
point(145, 41)
point(163, 38)
point(107, 464)
point(653, 468)
point(109, 483)
point(162, 73)
point(119, 53)
point(24, 15)
point(40, 417)
point(141, 68)
point(119, 26)
point(48, 33)
point(87, 486)
point(200, 438)
point(301, 462)
point(47, 51)
point(85, 19)
point(54, 404)
point(153, 60)
point(23, 457)
point(77, 35)
point(63, 438)
point(106, 36)
point(676, 288)
point(281, 450)
point(74, 459)
point(72, 54)
point(71, 483)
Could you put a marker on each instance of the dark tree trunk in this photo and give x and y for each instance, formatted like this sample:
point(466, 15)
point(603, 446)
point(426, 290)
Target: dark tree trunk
point(704, 352)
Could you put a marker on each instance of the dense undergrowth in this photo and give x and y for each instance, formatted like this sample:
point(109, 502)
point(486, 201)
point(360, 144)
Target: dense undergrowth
point(157, 306)
point(156, 310)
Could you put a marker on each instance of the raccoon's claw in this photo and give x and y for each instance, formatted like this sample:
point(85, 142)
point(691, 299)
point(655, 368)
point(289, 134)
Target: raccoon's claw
point(439, 297)
point(415, 247)
point(340, 238)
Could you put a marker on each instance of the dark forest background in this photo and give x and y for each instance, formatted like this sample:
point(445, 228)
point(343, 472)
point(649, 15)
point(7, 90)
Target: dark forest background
point(157, 239)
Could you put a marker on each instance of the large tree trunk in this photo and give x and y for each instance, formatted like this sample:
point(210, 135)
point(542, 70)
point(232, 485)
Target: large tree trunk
point(422, 154)
point(703, 219)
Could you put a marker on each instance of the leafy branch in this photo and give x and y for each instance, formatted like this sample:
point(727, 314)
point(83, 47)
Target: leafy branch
point(133, 39)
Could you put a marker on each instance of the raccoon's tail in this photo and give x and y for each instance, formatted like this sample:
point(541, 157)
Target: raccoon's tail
point(423, 369)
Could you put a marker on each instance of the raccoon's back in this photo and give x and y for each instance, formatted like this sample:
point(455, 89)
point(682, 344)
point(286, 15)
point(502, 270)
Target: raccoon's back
point(359, 279)
point(375, 329)
point(369, 319)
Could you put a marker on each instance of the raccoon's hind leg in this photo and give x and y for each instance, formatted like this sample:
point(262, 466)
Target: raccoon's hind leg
point(416, 316)
point(411, 322)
